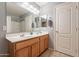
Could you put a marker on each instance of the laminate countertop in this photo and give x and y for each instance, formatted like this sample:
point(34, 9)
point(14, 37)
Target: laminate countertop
point(23, 36)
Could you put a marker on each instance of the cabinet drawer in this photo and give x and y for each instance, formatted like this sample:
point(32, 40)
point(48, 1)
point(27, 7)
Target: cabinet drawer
point(26, 43)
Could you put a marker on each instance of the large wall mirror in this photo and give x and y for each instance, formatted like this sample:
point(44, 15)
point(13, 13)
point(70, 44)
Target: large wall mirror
point(19, 19)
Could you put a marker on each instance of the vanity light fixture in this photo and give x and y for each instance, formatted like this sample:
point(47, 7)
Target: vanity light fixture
point(30, 8)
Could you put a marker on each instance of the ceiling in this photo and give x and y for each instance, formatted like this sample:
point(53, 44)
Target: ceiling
point(41, 3)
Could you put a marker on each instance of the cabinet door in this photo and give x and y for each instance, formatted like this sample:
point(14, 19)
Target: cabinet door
point(25, 52)
point(35, 49)
point(41, 44)
point(46, 42)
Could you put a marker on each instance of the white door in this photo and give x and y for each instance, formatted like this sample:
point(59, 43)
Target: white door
point(66, 41)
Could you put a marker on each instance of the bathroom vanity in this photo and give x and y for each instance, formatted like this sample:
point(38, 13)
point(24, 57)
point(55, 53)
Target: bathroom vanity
point(32, 46)
point(27, 33)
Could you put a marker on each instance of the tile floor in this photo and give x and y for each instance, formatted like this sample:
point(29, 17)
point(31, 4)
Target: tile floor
point(51, 53)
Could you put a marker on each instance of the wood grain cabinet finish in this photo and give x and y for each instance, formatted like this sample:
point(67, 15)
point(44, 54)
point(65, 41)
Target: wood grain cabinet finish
point(35, 49)
point(46, 42)
point(29, 48)
point(25, 52)
point(43, 43)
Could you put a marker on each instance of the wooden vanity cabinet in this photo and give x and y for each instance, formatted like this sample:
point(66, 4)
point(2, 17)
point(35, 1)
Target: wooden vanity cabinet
point(29, 48)
point(46, 42)
point(43, 43)
point(25, 52)
point(35, 49)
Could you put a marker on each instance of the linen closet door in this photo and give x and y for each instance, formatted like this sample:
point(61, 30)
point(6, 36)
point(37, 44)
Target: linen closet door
point(66, 41)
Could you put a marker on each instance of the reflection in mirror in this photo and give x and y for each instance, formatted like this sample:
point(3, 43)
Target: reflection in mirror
point(50, 22)
point(43, 22)
point(20, 17)
point(37, 21)
point(15, 24)
point(24, 17)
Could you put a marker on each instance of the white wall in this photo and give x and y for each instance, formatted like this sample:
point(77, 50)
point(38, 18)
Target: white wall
point(49, 9)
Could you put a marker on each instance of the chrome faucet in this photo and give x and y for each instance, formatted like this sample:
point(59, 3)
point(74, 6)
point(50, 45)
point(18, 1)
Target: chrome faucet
point(31, 33)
